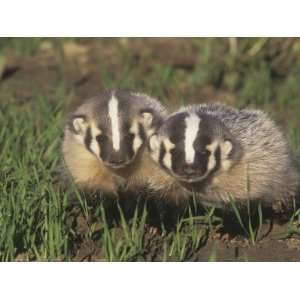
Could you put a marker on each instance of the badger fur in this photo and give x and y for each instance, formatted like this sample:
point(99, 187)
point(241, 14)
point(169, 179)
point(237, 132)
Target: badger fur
point(104, 141)
point(221, 154)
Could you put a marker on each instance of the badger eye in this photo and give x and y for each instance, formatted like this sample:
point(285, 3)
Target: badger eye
point(205, 152)
point(175, 152)
point(100, 138)
point(129, 136)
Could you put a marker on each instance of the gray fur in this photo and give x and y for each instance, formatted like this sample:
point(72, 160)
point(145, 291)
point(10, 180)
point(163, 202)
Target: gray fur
point(260, 166)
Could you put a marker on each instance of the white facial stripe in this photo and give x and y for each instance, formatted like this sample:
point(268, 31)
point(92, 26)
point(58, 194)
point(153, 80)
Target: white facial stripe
point(154, 143)
point(137, 141)
point(168, 157)
point(191, 129)
point(212, 158)
point(94, 144)
point(114, 118)
point(95, 147)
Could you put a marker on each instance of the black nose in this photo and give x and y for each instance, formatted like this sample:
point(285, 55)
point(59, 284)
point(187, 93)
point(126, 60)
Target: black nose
point(117, 161)
point(189, 170)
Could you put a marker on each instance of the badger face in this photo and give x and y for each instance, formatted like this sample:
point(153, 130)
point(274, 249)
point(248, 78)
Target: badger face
point(191, 146)
point(116, 130)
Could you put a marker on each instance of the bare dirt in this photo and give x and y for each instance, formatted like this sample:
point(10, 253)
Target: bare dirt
point(273, 245)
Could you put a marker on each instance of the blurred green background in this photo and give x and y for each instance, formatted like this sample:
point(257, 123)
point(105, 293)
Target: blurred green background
point(260, 72)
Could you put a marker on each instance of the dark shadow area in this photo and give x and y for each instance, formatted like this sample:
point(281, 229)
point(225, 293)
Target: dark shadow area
point(9, 72)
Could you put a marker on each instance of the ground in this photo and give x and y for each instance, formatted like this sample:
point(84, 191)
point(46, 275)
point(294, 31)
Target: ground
point(43, 218)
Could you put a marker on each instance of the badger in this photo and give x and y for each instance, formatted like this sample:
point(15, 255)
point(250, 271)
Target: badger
point(104, 141)
point(221, 154)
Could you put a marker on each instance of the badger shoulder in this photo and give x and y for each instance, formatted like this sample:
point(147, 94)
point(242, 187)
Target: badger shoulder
point(266, 168)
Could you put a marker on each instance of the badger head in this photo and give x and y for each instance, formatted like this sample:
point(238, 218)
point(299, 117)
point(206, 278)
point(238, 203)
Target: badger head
point(191, 146)
point(114, 126)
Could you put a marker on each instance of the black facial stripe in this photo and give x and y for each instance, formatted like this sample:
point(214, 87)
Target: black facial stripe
point(88, 139)
point(128, 144)
point(201, 161)
point(177, 158)
point(101, 138)
point(162, 153)
point(103, 142)
point(128, 140)
point(202, 140)
point(178, 122)
point(218, 153)
point(141, 133)
point(218, 159)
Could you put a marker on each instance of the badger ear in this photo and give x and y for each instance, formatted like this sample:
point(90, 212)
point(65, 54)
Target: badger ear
point(147, 118)
point(79, 124)
point(227, 148)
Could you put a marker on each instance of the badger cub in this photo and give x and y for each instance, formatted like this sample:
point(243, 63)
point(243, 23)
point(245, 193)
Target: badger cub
point(105, 137)
point(223, 154)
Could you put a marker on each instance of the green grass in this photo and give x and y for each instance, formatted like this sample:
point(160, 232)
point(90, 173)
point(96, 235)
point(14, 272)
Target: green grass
point(34, 208)
point(36, 211)
point(252, 232)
